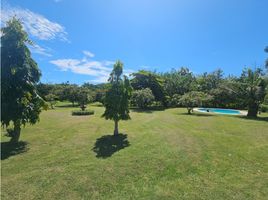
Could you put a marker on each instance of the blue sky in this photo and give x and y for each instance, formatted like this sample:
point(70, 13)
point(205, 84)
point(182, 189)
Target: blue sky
point(78, 41)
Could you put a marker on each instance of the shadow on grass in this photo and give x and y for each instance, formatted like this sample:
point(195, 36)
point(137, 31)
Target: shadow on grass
point(8, 149)
point(147, 110)
point(254, 118)
point(107, 145)
point(197, 114)
point(67, 106)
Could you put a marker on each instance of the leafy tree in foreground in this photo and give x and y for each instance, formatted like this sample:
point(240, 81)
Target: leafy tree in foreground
point(117, 97)
point(193, 99)
point(142, 98)
point(252, 90)
point(19, 75)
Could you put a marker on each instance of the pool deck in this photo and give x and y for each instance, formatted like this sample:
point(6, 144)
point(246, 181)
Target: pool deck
point(242, 112)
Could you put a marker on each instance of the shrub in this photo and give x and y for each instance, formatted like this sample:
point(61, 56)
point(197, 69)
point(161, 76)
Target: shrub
point(173, 101)
point(142, 98)
point(264, 108)
point(83, 112)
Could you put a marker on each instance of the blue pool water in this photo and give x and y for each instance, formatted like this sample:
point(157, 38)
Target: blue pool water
point(220, 111)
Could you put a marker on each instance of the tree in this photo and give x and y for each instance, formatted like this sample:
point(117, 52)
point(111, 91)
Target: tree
point(19, 75)
point(178, 81)
point(209, 81)
point(70, 93)
point(145, 79)
point(83, 98)
point(142, 98)
point(117, 97)
point(193, 99)
point(252, 89)
point(51, 98)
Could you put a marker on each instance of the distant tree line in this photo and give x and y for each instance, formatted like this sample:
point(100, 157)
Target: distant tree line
point(171, 89)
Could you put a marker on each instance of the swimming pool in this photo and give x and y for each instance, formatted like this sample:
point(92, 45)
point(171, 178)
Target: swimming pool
point(219, 111)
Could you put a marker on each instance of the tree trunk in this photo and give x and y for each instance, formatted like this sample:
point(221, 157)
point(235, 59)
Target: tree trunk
point(16, 134)
point(73, 103)
point(115, 128)
point(189, 110)
point(253, 110)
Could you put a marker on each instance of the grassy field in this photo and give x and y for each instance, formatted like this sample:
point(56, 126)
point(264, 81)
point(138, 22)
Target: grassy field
point(159, 155)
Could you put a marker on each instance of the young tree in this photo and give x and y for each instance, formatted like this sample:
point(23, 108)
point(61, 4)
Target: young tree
point(193, 99)
point(84, 98)
point(117, 97)
point(19, 76)
point(142, 98)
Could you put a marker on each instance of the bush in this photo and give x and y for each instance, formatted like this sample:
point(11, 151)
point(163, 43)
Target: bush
point(264, 108)
point(173, 101)
point(83, 112)
point(142, 98)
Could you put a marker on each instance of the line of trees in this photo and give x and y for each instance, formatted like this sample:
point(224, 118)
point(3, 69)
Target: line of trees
point(171, 89)
point(22, 96)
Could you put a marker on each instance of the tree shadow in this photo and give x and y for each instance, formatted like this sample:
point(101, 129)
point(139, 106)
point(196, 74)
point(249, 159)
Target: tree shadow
point(197, 114)
point(8, 149)
point(148, 110)
point(67, 106)
point(107, 145)
point(254, 118)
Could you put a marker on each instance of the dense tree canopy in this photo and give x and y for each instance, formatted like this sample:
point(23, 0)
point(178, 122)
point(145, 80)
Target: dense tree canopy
point(178, 81)
point(20, 102)
point(145, 79)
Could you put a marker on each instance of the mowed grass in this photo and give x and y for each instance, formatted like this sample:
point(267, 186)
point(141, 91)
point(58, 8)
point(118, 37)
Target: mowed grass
point(160, 155)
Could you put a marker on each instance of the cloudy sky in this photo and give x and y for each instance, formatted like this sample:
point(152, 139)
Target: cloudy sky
point(79, 40)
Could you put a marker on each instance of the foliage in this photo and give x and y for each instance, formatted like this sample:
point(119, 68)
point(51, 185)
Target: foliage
point(252, 88)
point(178, 81)
point(20, 102)
point(84, 98)
point(264, 108)
point(83, 112)
point(145, 79)
point(142, 98)
point(209, 81)
point(193, 99)
point(117, 97)
point(173, 101)
point(52, 99)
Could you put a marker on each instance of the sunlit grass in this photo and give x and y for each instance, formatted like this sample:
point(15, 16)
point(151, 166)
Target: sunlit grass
point(160, 155)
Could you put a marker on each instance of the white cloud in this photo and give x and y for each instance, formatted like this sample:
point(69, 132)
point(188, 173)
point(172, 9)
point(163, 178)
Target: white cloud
point(100, 70)
point(35, 24)
point(88, 54)
point(40, 50)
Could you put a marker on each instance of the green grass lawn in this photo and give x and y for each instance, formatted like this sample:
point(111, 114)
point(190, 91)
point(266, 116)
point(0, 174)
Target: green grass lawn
point(159, 155)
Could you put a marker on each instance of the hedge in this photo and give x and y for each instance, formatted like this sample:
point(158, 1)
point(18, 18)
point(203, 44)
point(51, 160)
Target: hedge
point(85, 112)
